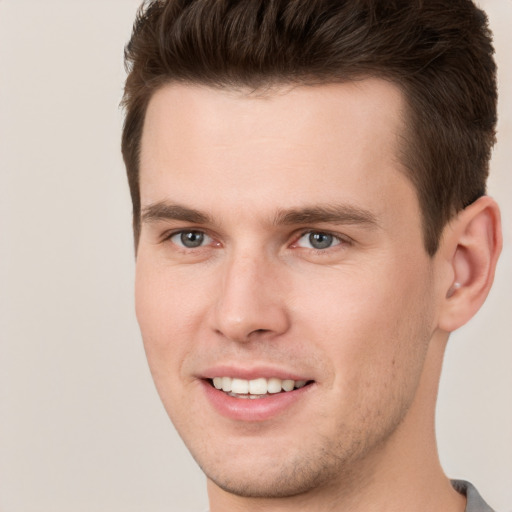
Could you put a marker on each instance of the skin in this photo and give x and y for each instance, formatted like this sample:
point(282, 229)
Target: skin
point(366, 319)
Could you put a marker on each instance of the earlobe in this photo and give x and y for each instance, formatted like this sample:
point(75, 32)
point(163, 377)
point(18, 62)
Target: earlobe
point(472, 245)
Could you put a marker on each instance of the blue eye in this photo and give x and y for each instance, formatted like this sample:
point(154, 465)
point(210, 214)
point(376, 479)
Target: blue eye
point(318, 240)
point(190, 239)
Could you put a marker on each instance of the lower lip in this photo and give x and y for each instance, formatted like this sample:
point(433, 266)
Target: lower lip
point(257, 409)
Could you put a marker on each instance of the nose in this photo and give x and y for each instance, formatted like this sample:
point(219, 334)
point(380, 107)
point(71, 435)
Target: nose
point(251, 300)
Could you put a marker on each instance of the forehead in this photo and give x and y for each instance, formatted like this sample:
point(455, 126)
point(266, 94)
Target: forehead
point(324, 143)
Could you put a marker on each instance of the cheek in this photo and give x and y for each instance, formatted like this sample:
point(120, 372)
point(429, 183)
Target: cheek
point(160, 304)
point(374, 327)
point(165, 326)
point(173, 305)
point(166, 299)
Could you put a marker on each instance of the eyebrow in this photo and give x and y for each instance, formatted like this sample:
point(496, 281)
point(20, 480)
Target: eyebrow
point(334, 214)
point(169, 211)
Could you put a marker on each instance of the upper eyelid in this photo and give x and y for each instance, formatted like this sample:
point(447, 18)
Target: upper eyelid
point(207, 238)
point(168, 233)
point(339, 236)
point(293, 237)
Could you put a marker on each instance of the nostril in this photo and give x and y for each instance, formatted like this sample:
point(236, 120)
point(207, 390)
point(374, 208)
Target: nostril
point(259, 331)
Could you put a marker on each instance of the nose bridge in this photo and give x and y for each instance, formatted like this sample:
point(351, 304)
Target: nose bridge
point(249, 300)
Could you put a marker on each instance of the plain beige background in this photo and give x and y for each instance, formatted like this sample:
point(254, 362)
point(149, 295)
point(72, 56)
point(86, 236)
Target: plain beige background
point(81, 427)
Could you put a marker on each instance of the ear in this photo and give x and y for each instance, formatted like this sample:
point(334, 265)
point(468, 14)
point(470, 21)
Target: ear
point(470, 247)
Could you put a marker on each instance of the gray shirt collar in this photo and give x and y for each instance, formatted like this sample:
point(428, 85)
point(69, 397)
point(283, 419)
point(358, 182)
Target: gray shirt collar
point(475, 501)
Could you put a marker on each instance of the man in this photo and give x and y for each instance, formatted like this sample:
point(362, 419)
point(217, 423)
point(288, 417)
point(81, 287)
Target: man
point(308, 186)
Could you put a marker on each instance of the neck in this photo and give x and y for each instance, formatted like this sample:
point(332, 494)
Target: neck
point(402, 474)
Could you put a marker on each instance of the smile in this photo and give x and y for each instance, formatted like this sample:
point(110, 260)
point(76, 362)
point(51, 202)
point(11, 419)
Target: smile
point(263, 396)
point(256, 388)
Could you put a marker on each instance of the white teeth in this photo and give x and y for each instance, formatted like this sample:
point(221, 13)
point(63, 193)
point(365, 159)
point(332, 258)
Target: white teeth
point(288, 384)
point(240, 386)
point(226, 383)
point(274, 385)
point(260, 386)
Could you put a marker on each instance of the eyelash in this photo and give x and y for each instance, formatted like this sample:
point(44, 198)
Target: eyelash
point(337, 240)
point(170, 236)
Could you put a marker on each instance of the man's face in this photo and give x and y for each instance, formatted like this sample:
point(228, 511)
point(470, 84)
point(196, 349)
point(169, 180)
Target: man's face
point(282, 244)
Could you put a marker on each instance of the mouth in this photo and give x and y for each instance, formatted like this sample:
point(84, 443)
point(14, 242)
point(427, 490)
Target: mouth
point(256, 388)
point(263, 395)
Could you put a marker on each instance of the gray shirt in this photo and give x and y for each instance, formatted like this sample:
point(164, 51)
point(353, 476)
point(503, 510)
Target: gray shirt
point(475, 502)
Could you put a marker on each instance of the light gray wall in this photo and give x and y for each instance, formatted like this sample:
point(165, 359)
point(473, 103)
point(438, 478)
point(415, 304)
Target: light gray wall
point(81, 427)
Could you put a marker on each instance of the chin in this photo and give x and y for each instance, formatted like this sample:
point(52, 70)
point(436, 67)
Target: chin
point(275, 476)
point(280, 484)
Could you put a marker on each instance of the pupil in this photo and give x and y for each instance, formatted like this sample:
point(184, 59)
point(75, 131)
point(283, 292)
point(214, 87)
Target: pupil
point(320, 240)
point(192, 239)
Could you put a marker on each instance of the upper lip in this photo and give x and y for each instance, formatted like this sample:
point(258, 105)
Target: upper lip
point(239, 372)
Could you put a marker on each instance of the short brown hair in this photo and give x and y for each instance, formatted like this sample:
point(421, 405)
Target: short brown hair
point(439, 52)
